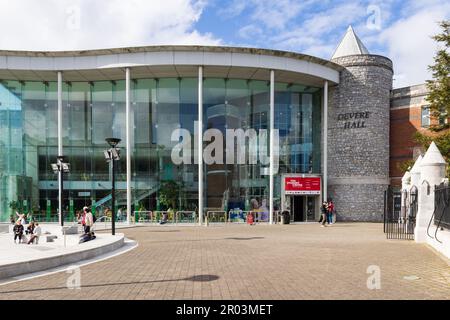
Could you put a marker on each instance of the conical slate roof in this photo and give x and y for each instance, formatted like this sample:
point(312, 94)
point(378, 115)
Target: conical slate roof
point(350, 45)
point(432, 156)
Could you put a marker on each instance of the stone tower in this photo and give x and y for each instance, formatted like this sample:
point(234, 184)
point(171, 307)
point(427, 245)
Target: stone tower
point(358, 132)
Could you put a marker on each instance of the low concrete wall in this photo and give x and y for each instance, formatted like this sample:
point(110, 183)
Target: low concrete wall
point(4, 228)
point(443, 245)
point(20, 268)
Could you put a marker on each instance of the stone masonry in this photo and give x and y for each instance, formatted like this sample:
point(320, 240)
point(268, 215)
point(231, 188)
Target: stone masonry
point(358, 137)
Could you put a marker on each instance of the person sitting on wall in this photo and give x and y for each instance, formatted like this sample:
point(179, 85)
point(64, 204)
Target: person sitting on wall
point(30, 228)
point(18, 231)
point(36, 234)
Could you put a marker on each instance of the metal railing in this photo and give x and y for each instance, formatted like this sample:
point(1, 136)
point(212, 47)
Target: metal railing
point(398, 224)
point(185, 216)
point(216, 216)
point(441, 213)
point(143, 216)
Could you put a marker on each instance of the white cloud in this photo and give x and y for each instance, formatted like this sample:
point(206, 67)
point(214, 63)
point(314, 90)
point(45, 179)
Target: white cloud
point(83, 24)
point(250, 31)
point(410, 46)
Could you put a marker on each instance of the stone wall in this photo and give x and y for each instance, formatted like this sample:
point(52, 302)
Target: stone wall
point(358, 137)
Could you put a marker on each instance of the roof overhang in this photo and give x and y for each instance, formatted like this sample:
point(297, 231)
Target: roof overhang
point(168, 61)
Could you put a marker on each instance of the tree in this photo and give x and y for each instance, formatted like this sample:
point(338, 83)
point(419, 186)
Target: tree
point(169, 193)
point(439, 87)
point(439, 96)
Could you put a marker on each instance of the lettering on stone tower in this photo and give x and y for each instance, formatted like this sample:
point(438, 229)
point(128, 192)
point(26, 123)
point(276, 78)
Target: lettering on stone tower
point(353, 120)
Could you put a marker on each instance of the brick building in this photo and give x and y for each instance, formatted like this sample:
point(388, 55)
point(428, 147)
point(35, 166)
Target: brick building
point(409, 113)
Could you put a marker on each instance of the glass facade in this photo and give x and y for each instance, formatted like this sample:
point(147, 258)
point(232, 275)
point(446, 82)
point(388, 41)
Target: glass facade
point(93, 111)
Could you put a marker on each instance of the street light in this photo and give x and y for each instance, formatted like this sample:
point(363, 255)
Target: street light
point(111, 155)
point(60, 167)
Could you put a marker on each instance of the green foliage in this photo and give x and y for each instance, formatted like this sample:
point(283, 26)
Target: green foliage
point(439, 87)
point(439, 96)
point(169, 193)
point(405, 165)
point(14, 205)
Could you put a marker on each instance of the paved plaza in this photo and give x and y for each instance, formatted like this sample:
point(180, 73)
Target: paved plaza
point(300, 261)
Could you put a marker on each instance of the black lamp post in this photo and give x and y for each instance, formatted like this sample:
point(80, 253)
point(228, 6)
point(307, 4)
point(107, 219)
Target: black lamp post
point(61, 167)
point(111, 155)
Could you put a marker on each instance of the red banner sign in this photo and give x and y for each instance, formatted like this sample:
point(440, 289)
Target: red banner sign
point(299, 185)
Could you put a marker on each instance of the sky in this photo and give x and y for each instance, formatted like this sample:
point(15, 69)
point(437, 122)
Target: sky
point(398, 29)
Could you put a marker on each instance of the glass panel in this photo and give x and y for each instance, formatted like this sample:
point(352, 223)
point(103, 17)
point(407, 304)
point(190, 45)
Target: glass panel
point(232, 106)
point(160, 107)
point(298, 119)
point(93, 111)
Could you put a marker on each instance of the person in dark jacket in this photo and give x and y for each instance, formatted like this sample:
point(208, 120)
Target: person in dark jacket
point(30, 229)
point(324, 211)
point(18, 231)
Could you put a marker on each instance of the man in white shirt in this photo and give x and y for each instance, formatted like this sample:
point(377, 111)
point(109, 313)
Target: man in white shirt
point(89, 221)
point(36, 234)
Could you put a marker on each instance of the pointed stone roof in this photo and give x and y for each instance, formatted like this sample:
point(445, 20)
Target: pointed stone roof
point(406, 177)
point(432, 156)
point(415, 168)
point(350, 45)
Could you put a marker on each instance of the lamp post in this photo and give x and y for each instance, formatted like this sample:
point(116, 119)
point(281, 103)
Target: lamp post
point(60, 167)
point(111, 155)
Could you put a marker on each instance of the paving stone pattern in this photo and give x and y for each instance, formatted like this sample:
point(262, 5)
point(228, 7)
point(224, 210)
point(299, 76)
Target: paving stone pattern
point(253, 262)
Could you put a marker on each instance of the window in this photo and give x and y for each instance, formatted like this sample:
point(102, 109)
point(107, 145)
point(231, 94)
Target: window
point(443, 117)
point(425, 119)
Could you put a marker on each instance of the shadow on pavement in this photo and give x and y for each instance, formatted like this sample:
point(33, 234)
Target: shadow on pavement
point(198, 278)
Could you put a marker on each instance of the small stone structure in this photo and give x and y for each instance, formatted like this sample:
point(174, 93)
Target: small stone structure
point(427, 172)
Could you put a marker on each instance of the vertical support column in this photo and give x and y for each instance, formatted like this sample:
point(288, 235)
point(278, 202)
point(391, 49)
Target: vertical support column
point(325, 141)
point(200, 145)
point(271, 142)
point(128, 142)
point(60, 150)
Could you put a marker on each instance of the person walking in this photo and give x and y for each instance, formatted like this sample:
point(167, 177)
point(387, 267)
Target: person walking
point(330, 211)
point(324, 210)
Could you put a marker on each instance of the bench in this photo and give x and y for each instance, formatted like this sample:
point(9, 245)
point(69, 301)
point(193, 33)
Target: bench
point(70, 229)
point(50, 238)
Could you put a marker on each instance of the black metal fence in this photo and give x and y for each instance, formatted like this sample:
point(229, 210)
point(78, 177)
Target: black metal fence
point(441, 215)
point(400, 210)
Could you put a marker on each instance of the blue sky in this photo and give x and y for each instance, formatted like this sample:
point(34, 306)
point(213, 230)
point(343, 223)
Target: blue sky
point(400, 30)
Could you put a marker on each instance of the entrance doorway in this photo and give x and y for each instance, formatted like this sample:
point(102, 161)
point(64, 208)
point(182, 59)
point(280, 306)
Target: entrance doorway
point(303, 208)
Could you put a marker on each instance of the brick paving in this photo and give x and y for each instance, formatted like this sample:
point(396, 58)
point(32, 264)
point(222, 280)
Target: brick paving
point(253, 262)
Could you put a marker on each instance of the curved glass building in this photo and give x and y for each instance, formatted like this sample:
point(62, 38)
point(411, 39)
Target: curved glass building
point(257, 115)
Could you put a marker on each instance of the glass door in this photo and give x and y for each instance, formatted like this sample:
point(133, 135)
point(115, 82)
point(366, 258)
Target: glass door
point(310, 208)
